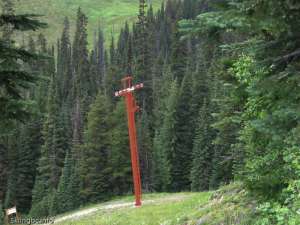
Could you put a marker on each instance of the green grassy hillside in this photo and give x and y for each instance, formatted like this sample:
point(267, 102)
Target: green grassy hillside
point(109, 14)
point(229, 205)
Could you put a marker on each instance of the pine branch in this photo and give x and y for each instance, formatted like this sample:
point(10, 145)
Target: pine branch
point(17, 53)
point(12, 80)
point(22, 22)
point(286, 59)
point(13, 109)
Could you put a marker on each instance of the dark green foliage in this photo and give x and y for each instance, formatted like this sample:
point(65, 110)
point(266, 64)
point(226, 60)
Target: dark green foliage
point(73, 188)
point(64, 69)
point(201, 171)
point(66, 197)
point(11, 194)
point(112, 77)
point(98, 161)
point(181, 163)
point(3, 170)
point(60, 198)
point(100, 53)
point(268, 86)
point(12, 172)
point(13, 79)
point(164, 143)
point(27, 164)
point(42, 208)
point(22, 22)
point(259, 114)
point(179, 56)
point(52, 152)
point(82, 81)
point(94, 171)
point(228, 151)
point(191, 8)
point(1, 214)
point(161, 85)
point(145, 149)
point(14, 83)
point(120, 153)
point(220, 102)
point(82, 84)
point(55, 144)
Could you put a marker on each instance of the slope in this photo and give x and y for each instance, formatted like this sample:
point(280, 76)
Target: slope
point(229, 205)
point(108, 14)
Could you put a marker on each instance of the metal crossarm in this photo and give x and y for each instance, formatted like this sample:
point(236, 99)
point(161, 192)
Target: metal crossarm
point(127, 90)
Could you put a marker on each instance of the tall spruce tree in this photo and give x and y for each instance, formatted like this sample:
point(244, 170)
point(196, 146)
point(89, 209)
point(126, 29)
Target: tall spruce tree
point(1, 214)
point(94, 171)
point(64, 69)
point(81, 79)
point(29, 153)
point(202, 150)
point(100, 52)
point(13, 78)
point(112, 76)
point(145, 149)
point(142, 68)
point(164, 143)
point(52, 153)
point(12, 175)
point(120, 153)
point(179, 56)
point(181, 164)
point(65, 197)
point(3, 170)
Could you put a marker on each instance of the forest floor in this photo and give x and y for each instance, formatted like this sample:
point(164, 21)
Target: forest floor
point(229, 205)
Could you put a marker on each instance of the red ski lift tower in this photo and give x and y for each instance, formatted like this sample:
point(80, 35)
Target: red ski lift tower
point(132, 108)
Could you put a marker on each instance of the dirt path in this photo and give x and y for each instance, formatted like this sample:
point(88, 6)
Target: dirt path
point(115, 205)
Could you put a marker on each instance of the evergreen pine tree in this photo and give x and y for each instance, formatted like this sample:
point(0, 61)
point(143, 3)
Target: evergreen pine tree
point(52, 154)
point(11, 194)
point(73, 188)
point(29, 153)
point(181, 165)
point(120, 163)
point(161, 91)
point(45, 69)
point(179, 56)
point(145, 149)
point(13, 77)
point(12, 172)
point(164, 143)
point(7, 9)
point(64, 69)
point(101, 63)
point(113, 76)
point(60, 202)
point(142, 69)
point(94, 171)
point(202, 151)
point(3, 170)
point(81, 83)
point(1, 214)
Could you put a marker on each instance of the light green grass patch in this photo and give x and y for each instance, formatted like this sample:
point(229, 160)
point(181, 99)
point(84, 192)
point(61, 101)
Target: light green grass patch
point(108, 14)
point(163, 209)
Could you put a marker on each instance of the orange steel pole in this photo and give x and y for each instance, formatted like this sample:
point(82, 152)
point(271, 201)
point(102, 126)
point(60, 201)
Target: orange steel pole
point(132, 108)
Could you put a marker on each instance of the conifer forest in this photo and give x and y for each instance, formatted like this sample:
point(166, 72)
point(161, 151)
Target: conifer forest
point(220, 105)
